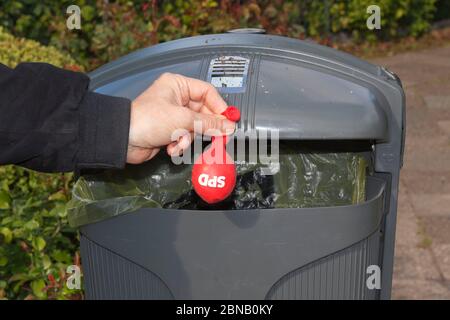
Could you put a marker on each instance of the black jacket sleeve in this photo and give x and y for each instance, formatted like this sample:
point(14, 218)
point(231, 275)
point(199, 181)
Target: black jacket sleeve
point(49, 121)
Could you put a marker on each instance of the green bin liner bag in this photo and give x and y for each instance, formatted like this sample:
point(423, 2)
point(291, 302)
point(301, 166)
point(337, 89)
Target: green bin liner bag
point(304, 179)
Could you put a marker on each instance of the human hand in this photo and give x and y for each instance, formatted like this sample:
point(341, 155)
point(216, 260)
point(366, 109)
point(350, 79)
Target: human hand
point(173, 102)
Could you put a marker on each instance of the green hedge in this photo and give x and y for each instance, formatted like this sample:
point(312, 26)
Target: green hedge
point(15, 50)
point(36, 244)
point(398, 18)
point(113, 28)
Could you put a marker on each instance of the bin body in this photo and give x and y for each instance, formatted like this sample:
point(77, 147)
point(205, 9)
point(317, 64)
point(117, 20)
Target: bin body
point(307, 92)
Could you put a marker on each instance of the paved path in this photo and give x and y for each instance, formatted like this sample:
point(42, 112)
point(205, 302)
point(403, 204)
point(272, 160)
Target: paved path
point(422, 258)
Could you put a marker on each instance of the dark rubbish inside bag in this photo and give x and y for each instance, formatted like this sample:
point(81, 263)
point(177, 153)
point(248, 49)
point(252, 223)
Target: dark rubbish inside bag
point(308, 174)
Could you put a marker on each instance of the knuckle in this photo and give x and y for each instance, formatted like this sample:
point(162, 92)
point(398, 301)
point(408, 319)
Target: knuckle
point(210, 87)
point(166, 75)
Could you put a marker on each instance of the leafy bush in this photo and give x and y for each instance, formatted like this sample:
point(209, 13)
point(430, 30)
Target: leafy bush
point(113, 28)
point(36, 244)
point(398, 18)
point(15, 50)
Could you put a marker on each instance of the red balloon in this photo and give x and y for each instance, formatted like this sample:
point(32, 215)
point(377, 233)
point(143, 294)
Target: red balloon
point(214, 171)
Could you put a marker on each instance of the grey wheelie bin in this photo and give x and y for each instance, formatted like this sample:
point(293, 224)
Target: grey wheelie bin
point(314, 96)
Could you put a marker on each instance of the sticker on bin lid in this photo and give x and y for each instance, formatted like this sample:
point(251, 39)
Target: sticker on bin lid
point(228, 73)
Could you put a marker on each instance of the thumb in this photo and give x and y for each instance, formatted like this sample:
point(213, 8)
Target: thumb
point(208, 123)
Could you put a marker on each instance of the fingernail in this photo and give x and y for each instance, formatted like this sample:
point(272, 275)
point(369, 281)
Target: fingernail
point(229, 125)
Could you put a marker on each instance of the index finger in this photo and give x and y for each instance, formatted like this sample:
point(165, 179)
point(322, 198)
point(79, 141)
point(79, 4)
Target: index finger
point(204, 92)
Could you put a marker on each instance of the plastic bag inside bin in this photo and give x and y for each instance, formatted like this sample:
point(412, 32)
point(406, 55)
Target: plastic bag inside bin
point(305, 178)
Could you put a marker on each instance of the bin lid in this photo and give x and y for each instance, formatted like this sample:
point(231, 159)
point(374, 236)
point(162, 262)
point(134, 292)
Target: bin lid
point(303, 90)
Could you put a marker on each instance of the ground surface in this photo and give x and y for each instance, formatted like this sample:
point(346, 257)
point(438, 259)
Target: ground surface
point(422, 258)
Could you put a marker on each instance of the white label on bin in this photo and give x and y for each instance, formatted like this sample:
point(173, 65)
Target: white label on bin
point(228, 73)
